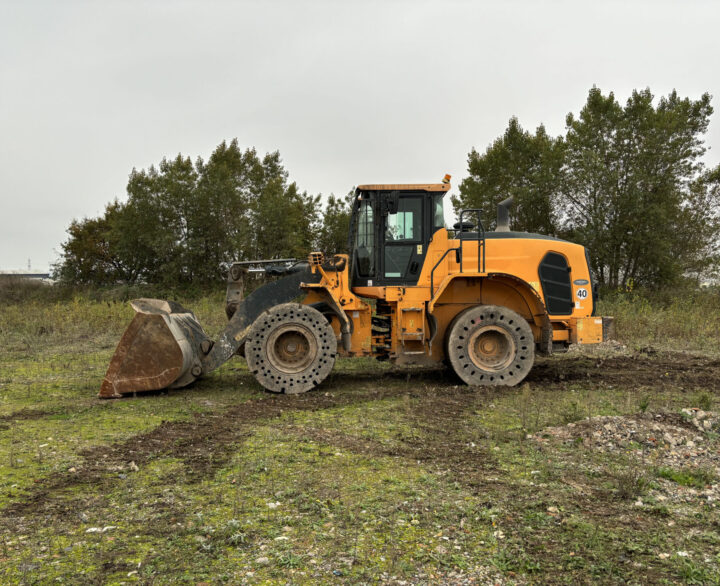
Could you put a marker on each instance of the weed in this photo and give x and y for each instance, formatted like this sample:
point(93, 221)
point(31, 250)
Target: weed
point(504, 560)
point(692, 573)
point(704, 401)
point(289, 559)
point(571, 412)
point(692, 477)
point(666, 319)
point(237, 538)
point(515, 561)
point(660, 511)
point(630, 482)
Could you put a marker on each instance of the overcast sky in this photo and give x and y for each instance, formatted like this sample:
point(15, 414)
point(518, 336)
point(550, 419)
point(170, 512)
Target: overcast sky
point(348, 92)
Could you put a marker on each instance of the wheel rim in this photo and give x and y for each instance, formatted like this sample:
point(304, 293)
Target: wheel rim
point(291, 348)
point(491, 348)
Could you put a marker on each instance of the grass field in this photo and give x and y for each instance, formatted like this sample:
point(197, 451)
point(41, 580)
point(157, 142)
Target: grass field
point(379, 475)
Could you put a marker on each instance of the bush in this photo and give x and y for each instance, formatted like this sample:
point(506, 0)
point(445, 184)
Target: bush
point(630, 482)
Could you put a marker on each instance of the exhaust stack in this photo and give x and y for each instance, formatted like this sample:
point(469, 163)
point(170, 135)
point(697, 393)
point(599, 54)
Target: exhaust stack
point(503, 215)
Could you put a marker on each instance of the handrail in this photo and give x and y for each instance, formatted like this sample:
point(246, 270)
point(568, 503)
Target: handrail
point(432, 273)
point(480, 239)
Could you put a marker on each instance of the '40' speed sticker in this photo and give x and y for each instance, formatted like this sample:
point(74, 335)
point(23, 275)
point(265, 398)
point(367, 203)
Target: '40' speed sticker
point(581, 293)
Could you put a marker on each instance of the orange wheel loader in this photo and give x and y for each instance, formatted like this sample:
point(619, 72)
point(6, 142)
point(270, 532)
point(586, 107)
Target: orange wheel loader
point(410, 291)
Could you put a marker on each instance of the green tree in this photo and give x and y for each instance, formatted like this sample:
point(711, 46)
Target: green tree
point(633, 178)
point(159, 220)
point(333, 236)
point(519, 164)
point(183, 221)
point(699, 221)
point(92, 253)
point(227, 188)
point(284, 219)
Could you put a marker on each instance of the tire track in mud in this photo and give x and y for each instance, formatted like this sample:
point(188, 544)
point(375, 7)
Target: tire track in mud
point(645, 368)
point(439, 444)
point(207, 442)
point(67, 409)
point(26, 415)
point(203, 444)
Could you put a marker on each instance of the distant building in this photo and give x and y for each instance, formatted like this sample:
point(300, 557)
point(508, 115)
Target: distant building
point(45, 277)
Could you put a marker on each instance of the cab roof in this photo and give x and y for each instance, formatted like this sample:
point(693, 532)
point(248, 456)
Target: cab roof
point(405, 187)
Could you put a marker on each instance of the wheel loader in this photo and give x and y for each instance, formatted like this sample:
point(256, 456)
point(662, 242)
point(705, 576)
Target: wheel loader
point(410, 291)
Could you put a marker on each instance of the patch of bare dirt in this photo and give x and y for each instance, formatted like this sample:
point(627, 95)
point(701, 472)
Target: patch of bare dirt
point(435, 413)
point(25, 414)
point(647, 368)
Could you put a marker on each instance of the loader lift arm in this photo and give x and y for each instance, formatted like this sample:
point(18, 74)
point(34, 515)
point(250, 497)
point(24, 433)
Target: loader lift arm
point(273, 293)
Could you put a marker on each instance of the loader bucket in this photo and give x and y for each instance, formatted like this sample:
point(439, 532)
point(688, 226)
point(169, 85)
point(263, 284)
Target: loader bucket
point(161, 348)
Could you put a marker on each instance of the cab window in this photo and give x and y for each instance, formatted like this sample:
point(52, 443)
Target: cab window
point(403, 231)
point(365, 240)
point(405, 224)
point(438, 212)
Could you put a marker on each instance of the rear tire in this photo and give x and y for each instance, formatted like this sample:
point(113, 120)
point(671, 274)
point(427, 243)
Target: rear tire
point(489, 345)
point(291, 348)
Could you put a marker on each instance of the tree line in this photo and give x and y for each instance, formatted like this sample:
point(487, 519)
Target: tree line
point(627, 181)
point(183, 221)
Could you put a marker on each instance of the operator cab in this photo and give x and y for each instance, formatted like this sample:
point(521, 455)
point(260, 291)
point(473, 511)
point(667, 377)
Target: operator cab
point(391, 227)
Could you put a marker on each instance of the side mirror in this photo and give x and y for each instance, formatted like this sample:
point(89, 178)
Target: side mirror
point(391, 202)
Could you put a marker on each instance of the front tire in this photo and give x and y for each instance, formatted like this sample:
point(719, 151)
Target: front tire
point(291, 348)
point(489, 345)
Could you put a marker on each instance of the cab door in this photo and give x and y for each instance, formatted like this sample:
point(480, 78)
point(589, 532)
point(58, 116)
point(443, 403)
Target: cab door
point(403, 241)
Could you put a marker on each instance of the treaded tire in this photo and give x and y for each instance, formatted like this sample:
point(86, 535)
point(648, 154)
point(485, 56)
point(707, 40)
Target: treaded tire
point(291, 348)
point(489, 345)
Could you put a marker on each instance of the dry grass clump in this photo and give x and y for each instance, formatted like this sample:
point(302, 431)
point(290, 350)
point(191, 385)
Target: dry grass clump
point(15, 289)
point(670, 320)
point(36, 314)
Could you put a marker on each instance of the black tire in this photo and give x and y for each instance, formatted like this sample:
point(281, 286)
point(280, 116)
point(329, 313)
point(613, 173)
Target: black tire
point(291, 348)
point(489, 345)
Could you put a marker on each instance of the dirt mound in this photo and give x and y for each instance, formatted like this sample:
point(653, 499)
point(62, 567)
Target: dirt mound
point(680, 449)
point(684, 433)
